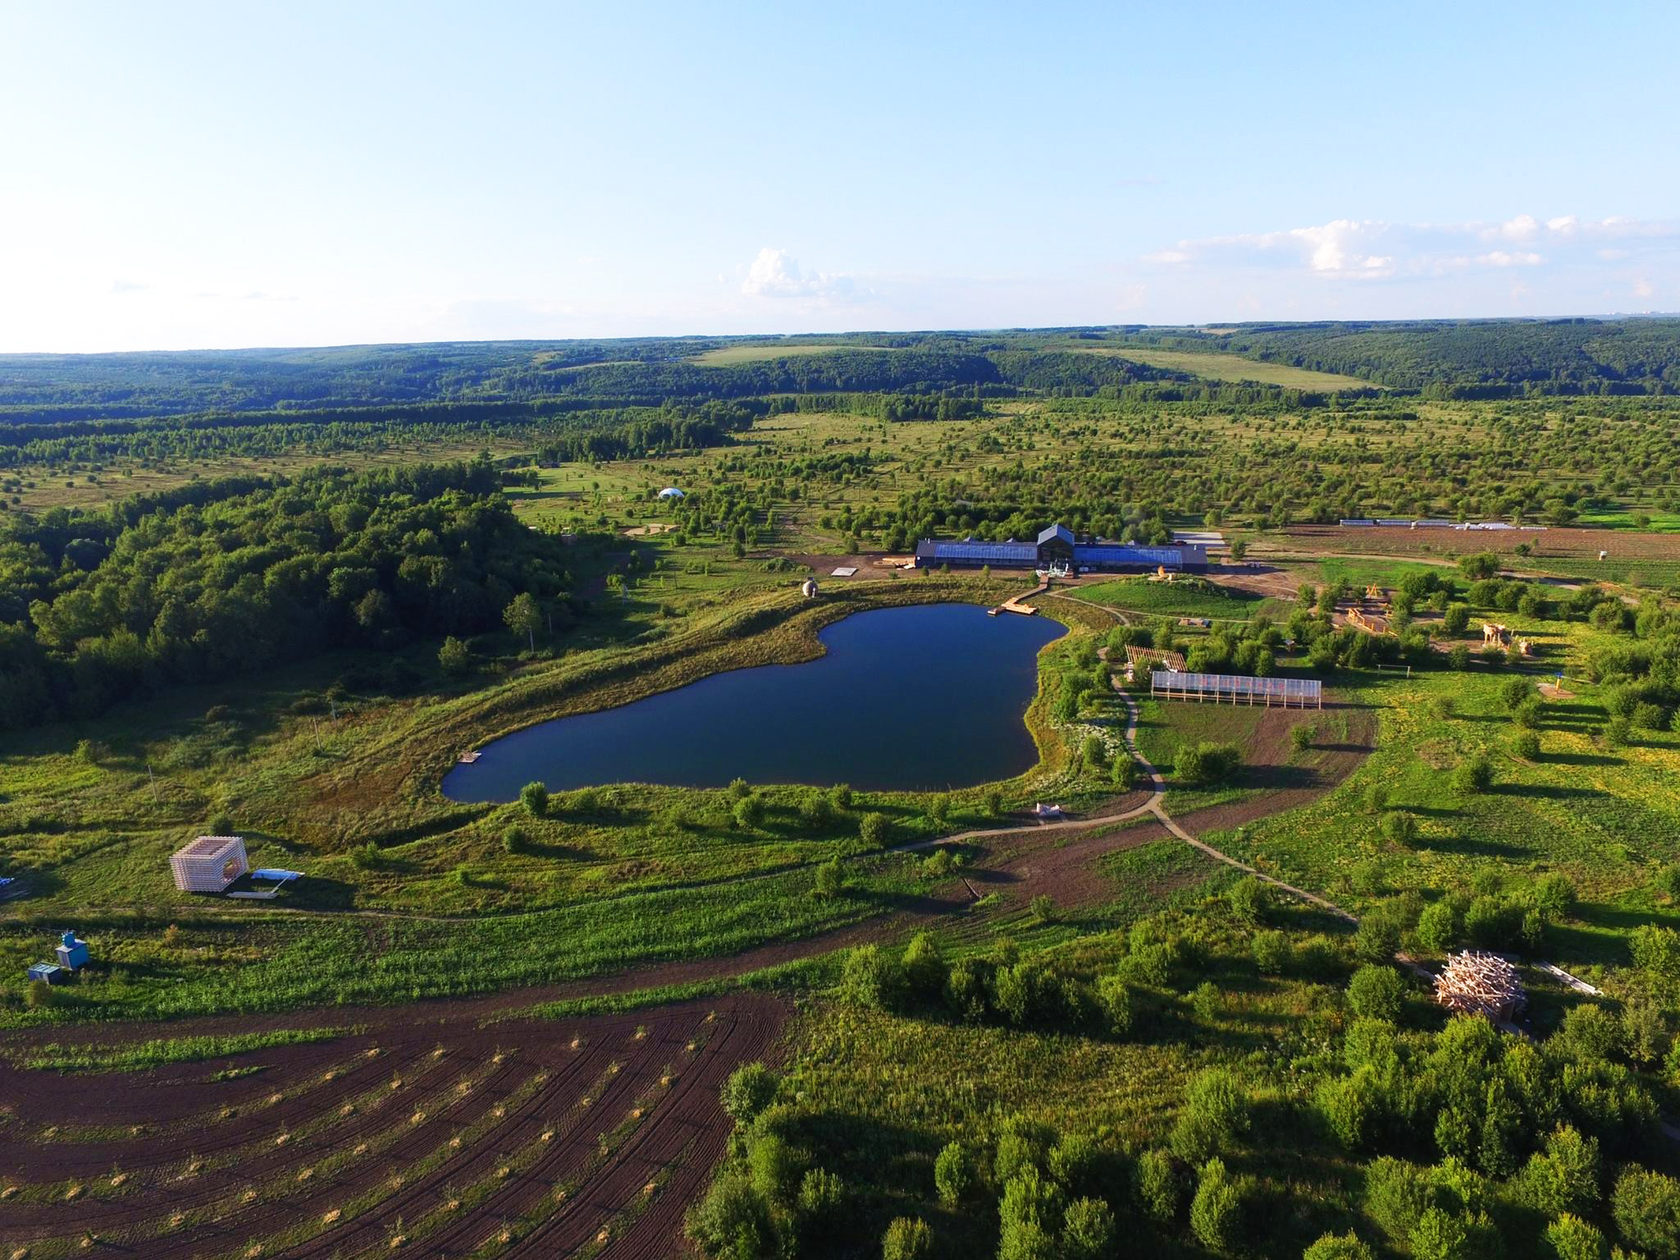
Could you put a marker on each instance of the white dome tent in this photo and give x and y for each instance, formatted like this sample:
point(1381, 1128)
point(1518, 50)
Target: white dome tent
point(671, 492)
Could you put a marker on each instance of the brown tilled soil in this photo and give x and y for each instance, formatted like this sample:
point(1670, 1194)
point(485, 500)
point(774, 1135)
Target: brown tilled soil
point(1399, 541)
point(561, 1130)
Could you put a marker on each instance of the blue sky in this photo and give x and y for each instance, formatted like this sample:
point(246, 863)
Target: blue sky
point(185, 175)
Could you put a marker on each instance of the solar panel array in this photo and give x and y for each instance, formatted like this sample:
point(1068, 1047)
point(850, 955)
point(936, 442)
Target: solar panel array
point(1288, 690)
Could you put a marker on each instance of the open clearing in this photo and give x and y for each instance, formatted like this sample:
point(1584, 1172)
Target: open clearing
point(1214, 366)
point(726, 355)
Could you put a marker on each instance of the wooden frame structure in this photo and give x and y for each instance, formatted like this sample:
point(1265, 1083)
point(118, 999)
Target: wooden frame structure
point(1289, 693)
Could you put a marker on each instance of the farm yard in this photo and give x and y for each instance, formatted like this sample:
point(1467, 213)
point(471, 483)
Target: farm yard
point(1184, 957)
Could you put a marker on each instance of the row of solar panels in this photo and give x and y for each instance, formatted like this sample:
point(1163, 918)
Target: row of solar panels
point(1237, 685)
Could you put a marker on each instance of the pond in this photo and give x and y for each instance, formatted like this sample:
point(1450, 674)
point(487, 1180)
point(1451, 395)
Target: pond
point(912, 699)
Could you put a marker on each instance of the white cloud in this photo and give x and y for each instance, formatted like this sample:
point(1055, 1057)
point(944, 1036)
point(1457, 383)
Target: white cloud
point(1371, 249)
point(775, 274)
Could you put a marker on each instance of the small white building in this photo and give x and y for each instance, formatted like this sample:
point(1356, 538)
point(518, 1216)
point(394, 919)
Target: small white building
point(209, 864)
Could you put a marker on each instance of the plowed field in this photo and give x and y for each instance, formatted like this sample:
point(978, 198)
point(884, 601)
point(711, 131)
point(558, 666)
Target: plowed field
point(422, 1133)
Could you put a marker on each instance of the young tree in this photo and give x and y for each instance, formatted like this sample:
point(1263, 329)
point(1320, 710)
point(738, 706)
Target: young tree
point(1339, 1247)
point(453, 657)
point(907, 1238)
point(1646, 1208)
point(1160, 1189)
point(1376, 992)
point(1218, 1212)
point(830, 879)
point(534, 797)
point(954, 1174)
point(523, 617)
point(873, 830)
point(749, 812)
point(749, 1090)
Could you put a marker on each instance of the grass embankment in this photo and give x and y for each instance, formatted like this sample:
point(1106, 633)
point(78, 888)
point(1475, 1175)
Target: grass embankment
point(142, 1056)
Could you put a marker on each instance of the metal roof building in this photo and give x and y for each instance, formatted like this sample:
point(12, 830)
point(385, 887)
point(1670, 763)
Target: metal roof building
point(1057, 544)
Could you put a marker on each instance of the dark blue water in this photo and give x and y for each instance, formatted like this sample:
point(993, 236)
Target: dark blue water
point(905, 699)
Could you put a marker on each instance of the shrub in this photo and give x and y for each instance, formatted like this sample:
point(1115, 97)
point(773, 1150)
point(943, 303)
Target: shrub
point(534, 797)
point(841, 795)
point(1555, 895)
point(1442, 1235)
point(1473, 775)
point(749, 812)
point(1272, 952)
point(515, 840)
point(1301, 737)
point(453, 657)
point(1456, 620)
point(873, 978)
point(1027, 1217)
point(954, 1174)
point(1087, 1231)
point(1458, 658)
point(1206, 1001)
point(1565, 1177)
point(1339, 1247)
point(733, 1219)
point(1376, 992)
point(1527, 715)
point(1114, 995)
point(1396, 1195)
point(924, 968)
point(1160, 1189)
point(1218, 1212)
point(822, 1198)
point(939, 809)
point(1650, 717)
point(1377, 938)
point(1208, 763)
point(739, 789)
point(1588, 1032)
point(1526, 744)
point(773, 1168)
point(1646, 1209)
point(365, 857)
point(1213, 1117)
point(907, 1238)
point(1571, 1238)
point(816, 811)
point(1351, 1107)
point(873, 830)
point(40, 995)
point(1249, 899)
point(830, 879)
point(1516, 692)
point(1044, 908)
point(1617, 733)
point(1376, 797)
point(1124, 773)
point(1400, 828)
point(1094, 752)
point(1439, 927)
point(749, 1090)
point(967, 991)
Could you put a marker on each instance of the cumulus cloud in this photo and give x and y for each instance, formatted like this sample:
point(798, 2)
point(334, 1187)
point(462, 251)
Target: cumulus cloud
point(776, 274)
point(1371, 249)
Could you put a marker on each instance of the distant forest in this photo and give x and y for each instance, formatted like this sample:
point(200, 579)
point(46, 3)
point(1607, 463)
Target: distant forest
point(478, 380)
point(1466, 359)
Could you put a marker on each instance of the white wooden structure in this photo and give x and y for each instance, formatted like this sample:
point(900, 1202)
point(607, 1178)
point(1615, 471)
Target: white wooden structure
point(209, 864)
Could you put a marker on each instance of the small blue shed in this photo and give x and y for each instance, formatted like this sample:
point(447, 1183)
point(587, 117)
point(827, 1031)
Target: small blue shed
point(72, 952)
point(52, 973)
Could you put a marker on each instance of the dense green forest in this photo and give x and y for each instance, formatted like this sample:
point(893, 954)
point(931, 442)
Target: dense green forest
point(224, 578)
point(1464, 358)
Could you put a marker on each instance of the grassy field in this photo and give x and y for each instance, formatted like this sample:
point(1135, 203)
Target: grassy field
point(725, 355)
point(1185, 598)
point(1214, 366)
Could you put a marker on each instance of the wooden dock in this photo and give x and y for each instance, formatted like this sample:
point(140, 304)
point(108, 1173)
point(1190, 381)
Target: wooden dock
point(1014, 605)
